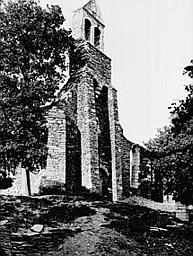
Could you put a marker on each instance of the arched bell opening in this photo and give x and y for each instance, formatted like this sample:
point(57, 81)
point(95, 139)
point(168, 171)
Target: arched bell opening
point(97, 37)
point(87, 29)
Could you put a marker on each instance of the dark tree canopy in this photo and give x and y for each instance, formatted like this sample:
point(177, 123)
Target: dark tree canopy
point(33, 51)
point(172, 149)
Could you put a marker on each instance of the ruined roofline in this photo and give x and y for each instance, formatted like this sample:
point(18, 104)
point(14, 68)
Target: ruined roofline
point(132, 144)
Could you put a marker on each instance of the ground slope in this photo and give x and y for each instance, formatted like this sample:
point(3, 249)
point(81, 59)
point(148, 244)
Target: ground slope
point(79, 227)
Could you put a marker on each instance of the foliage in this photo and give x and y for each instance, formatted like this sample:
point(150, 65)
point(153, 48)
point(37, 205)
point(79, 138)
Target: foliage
point(172, 149)
point(57, 188)
point(5, 182)
point(33, 47)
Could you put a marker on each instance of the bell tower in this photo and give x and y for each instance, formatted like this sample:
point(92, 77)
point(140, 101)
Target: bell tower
point(87, 24)
point(97, 111)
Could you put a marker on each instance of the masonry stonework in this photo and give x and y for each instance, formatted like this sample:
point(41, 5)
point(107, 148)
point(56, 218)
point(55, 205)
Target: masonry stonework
point(57, 146)
point(86, 145)
point(115, 145)
point(126, 148)
point(87, 123)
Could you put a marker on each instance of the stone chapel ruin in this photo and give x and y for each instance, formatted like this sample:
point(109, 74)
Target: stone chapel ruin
point(86, 143)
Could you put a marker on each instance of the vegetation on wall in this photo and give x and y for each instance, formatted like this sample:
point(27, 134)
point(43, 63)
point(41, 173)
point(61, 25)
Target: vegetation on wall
point(33, 62)
point(172, 149)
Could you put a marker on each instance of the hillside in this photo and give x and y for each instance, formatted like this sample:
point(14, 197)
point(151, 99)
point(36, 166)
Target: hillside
point(57, 225)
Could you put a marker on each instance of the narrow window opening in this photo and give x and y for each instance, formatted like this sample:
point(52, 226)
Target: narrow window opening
point(97, 34)
point(96, 88)
point(87, 29)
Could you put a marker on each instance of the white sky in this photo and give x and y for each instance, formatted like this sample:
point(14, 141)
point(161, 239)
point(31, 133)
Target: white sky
point(150, 42)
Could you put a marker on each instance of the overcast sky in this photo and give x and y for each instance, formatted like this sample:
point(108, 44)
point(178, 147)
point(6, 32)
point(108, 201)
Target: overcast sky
point(149, 41)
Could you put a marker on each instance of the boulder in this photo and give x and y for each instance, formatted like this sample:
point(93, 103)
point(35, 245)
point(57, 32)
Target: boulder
point(37, 228)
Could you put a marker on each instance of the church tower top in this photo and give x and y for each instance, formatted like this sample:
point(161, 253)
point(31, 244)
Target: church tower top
point(93, 8)
point(87, 24)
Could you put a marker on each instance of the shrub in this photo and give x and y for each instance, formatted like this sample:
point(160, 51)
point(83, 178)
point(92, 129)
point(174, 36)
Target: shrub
point(5, 183)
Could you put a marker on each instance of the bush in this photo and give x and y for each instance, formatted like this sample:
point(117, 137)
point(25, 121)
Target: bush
point(52, 188)
point(5, 183)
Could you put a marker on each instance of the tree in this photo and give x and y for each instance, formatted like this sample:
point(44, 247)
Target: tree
point(172, 149)
point(33, 47)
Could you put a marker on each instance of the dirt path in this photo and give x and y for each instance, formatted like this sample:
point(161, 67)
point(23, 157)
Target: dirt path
point(96, 238)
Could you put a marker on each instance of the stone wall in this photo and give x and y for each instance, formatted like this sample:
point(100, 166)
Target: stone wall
point(99, 65)
point(182, 211)
point(101, 101)
point(68, 99)
point(126, 148)
point(179, 211)
point(73, 156)
point(116, 147)
point(87, 124)
point(56, 162)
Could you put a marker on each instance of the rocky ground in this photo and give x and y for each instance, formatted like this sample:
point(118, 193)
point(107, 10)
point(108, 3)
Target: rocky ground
point(73, 226)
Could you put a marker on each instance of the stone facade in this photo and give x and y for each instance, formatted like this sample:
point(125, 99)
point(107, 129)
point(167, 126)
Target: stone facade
point(85, 140)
